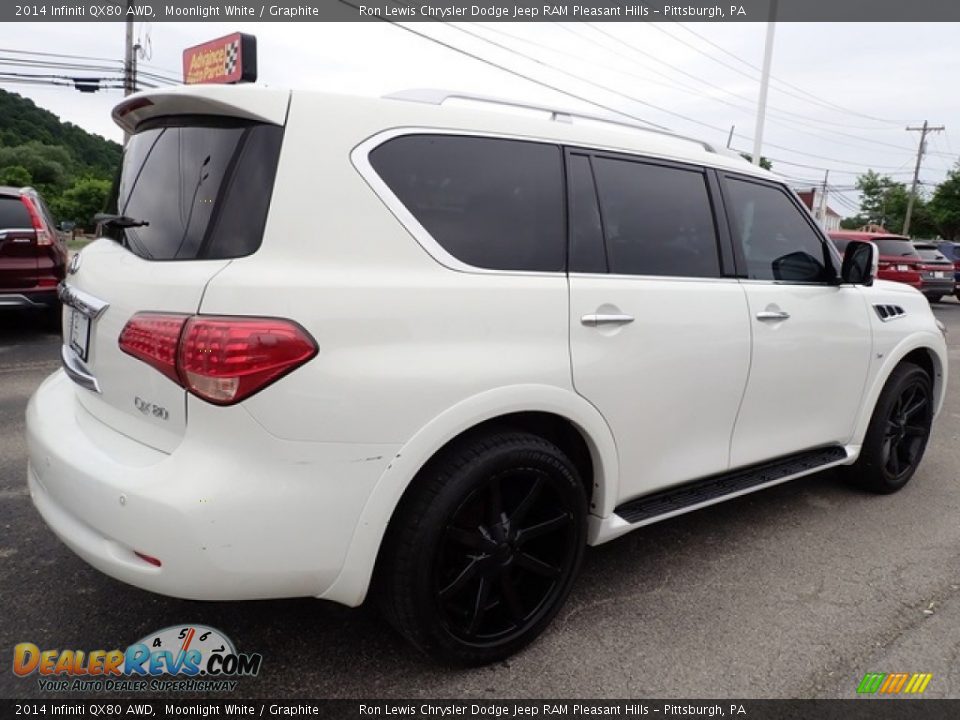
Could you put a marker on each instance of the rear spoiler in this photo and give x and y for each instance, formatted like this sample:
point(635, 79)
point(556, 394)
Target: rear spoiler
point(249, 102)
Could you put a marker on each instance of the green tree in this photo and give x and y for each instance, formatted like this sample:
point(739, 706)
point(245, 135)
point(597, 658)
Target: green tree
point(49, 165)
point(764, 162)
point(884, 202)
point(944, 206)
point(853, 223)
point(15, 176)
point(84, 199)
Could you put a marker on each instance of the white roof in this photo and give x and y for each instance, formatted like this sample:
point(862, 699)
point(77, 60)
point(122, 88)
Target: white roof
point(448, 110)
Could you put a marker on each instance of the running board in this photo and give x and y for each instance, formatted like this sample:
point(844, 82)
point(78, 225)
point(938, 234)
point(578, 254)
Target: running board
point(736, 482)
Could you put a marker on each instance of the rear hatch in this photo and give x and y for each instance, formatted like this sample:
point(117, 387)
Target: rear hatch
point(194, 193)
point(18, 245)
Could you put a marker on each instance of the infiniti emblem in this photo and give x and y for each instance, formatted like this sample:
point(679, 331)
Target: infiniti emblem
point(74, 264)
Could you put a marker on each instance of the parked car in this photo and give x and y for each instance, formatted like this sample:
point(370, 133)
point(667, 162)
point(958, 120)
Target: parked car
point(937, 272)
point(899, 261)
point(951, 251)
point(431, 352)
point(33, 257)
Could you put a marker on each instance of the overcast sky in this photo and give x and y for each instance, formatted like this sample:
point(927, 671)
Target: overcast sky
point(841, 97)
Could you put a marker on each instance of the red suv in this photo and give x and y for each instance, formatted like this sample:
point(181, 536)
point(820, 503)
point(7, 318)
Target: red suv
point(33, 258)
point(899, 260)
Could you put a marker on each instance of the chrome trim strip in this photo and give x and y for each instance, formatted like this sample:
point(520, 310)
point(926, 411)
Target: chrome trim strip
point(75, 370)
point(80, 301)
point(18, 300)
point(15, 231)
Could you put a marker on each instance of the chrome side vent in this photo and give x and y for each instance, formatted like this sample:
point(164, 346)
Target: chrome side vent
point(889, 312)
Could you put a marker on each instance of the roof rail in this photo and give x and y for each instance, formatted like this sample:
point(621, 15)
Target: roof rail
point(432, 96)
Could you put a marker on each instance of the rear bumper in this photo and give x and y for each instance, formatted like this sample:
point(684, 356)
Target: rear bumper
point(249, 516)
point(944, 286)
point(29, 299)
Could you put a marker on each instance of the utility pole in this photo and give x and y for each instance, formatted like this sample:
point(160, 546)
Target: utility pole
point(822, 210)
point(924, 131)
point(129, 63)
point(129, 59)
point(764, 84)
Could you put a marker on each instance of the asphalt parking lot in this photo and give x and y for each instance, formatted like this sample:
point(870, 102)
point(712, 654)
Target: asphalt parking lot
point(793, 592)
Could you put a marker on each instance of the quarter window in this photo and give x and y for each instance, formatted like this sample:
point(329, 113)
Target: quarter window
point(776, 240)
point(489, 202)
point(657, 219)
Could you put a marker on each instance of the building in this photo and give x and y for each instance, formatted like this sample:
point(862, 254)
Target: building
point(812, 199)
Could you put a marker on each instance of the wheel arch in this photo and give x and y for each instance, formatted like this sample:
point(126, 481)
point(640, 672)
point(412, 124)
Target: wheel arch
point(558, 414)
point(919, 350)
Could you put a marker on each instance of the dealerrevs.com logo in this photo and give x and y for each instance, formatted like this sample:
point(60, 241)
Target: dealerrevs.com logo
point(180, 658)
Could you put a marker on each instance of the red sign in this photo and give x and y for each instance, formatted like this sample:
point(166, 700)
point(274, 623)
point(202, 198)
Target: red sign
point(229, 59)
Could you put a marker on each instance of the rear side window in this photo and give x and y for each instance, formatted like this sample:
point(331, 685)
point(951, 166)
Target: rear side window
point(14, 214)
point(657, 219)
point(490, 203)
point(202, 184)
point(776, 240)
point(900, 248)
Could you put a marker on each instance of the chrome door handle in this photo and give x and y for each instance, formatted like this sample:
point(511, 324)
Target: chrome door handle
point(770, 315)
point(595, 320)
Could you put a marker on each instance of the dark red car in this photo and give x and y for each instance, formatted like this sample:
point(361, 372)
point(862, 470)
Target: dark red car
point(33, 258)
point(899, 260)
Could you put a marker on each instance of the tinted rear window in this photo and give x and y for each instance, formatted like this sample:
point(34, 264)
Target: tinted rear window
point(657, 220)
point(203, 184)
point(13, 214)
point(490, 203)
point(901, 248)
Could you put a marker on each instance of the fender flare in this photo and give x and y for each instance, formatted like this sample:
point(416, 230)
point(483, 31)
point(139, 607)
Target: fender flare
point(927, 341)
point(352, 583)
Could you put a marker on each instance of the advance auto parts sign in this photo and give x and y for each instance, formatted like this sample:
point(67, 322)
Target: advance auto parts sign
point(229, 59)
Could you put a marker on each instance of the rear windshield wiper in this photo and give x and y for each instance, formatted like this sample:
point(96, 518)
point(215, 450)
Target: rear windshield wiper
point(119, 221)
point(123, 223)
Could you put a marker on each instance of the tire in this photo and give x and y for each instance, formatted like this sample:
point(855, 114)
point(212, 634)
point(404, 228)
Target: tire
point(897, 436)
point(469, 585)
point(934, 298)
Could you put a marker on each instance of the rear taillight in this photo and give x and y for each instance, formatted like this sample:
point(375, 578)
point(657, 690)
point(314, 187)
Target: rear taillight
point(222, 360)
point(44, 236)
point(154, 338)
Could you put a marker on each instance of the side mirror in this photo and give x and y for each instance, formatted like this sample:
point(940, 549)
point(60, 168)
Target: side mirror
point(859, 263)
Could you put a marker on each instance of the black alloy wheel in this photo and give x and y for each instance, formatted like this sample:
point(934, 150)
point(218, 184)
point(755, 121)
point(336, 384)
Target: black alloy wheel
point(898, 432)
point(483, 548)
point(503, 556)
point(907, 429)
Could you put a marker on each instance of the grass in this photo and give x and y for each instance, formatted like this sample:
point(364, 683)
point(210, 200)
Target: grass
point(79, 242)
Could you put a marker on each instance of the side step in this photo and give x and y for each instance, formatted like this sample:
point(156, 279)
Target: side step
point(713, 488)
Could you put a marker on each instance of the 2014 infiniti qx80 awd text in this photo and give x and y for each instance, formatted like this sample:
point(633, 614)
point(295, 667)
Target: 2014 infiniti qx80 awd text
point(420, 346)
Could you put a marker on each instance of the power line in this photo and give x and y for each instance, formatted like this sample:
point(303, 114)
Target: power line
point(716, 87)
point(60, 55)
point(511, 71)
point(633, 48)
point(813, 97)
point(630, 97)
point(680, 87)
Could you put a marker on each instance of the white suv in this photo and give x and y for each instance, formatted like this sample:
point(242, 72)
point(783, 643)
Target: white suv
point(425, 346)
